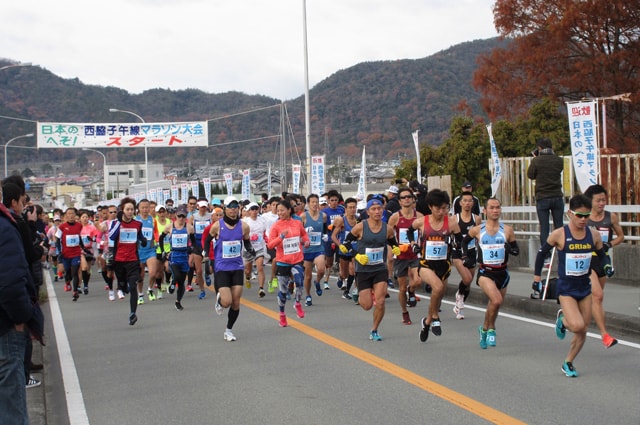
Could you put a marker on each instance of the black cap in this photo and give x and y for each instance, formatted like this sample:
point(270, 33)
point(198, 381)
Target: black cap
point(544, 143)
point(467, 184)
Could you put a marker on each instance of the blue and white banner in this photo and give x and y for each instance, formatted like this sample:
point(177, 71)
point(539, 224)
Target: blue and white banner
point(228, 179)
point(174, 195)
point(361, 195)
point(246, 184)
point(296, 178)
point(584, 142)
point(317, 175)
point(184, 193)
point(206, 182)
point(166, 194)
point(151, 195)
point(494, 166)
point(159, 198)
point(416, 145)
point(269, 181)
point(195, 188)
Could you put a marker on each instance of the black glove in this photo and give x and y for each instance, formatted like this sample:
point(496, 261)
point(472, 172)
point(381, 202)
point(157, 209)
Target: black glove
point(251, 251)
point(415, 248)
point(469, 262)
point(119, 215)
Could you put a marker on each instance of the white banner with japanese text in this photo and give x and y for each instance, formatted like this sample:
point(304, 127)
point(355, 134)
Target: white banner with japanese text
point(317, 175)
point(361, 195)
point(296, 178)
point(228, 178)
point(195, 188)
point(494, 168)
point(246, 184)
point(122, 135)
point(584, 142)
point(184, 193)
point(206, 183)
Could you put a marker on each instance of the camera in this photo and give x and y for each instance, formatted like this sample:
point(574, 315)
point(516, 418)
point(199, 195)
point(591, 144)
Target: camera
point(535, 152)
point(29, 210)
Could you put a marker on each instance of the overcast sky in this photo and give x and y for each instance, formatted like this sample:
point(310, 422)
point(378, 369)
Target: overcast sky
point(251, 46)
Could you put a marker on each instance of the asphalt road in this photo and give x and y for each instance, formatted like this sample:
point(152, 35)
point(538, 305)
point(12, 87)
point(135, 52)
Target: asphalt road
point(175, 368)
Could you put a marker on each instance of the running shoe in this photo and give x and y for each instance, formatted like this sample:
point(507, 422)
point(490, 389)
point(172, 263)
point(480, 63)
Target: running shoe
point(189, 288)
point(159, 293)
point(120, 294)
point(67, 287)
point(326, 286)
point(247, 283)
point(424, 332)
point(339, 283)
point(436, 328)
point(390, 283)
point(308, 301)
point(355, 297)
point(207, 280)
point(405, 318)
point(412, 301)
point(608, 341)
point(85, 290)
point(283, 320)
point(172, 287)
point(261, 293)
point(373, 336)
point(229, 336)
point(140, 299)
point(318, 288)
point(218, 307)
point(179, 306)
point(75, 296)
point(491, 337)
point(561, 331)
point(569, 370)
point(33, 382)
point(299, 310)
point(202, 295)
point(459, 301)
point(346, 295)
point(151, 295)
point(483, 337)
point(112, 296)
point(273, 285)
point(133, 319)
point(459, 312)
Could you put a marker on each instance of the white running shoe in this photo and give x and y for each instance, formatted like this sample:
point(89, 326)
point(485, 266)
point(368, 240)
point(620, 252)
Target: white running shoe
point(218, 307)
point(112, 296)
point(459, 300)
point(120, 294)
point(159, 296)
point(459, 312)
point(229, 336)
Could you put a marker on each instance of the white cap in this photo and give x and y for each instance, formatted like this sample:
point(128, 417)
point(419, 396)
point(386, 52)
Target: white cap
point(251, 205)
point(230, 199)
point(323, 201)
point(393, 189)
point(202, 203)
point(160, 207)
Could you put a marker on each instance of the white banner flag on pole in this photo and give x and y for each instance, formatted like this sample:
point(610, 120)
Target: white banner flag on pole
point(494, 168)
point(361, 195)
point(228, 178)
point(317, 175)
point(296, 178)
point(246, 184)
point(584, 142)
point(416, 144)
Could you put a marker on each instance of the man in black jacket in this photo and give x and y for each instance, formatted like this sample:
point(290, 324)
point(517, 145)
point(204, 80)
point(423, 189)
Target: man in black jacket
point(546, 169)
point(16, 311)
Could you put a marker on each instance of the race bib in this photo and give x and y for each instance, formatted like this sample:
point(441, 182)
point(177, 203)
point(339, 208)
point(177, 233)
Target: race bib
point(435, 250)
point(199, 226)
point(403, 238)
point(493, 255)
point(577, 264)
point(72, 240)
point(315, 238)
point(291, 245)
point(179, 241)
point(148, 232)
point(128, 236)
point(231, 249)
point(374, 255)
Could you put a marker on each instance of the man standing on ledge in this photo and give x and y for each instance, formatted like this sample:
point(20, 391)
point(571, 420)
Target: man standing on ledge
point(546, 169)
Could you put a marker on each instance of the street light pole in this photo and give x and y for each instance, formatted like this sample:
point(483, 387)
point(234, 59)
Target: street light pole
point(5, 150)
point(104, 170)
point(146, 158)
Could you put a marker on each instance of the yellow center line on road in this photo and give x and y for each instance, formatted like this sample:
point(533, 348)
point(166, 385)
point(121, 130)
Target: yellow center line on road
point(460, 400)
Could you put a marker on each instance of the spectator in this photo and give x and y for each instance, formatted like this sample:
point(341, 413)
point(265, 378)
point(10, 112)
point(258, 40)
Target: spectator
point(546, 169)
point(456, 208)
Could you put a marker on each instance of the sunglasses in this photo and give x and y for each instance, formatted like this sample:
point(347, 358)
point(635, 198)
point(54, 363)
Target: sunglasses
point(406, 197)
point(181, 215)
point(113, 212)
point(581, 214)
point(233, 205)
point(254, 208)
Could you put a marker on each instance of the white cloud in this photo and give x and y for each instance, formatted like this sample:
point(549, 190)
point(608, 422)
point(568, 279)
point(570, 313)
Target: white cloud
point(253, 46)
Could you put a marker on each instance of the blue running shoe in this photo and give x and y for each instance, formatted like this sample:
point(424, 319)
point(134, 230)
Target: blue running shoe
point(202, 295)
point(318, 288)
point(491, 337)
point(483, 337)
point(561, 331)
point(569, 370)
point(339, 283)
point(308, 301)
point(207, 279)
point(373, 336)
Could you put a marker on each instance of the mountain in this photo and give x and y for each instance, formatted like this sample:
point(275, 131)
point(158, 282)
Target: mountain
point(377, 104)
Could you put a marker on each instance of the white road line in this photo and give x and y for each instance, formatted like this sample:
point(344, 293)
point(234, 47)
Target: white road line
point(525, 319)
point(75, 402)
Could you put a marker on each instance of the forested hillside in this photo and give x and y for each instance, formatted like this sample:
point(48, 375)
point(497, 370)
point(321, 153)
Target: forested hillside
point(377, 104)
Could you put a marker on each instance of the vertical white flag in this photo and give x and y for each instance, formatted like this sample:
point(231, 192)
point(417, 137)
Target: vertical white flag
point(246, 184)
point(269, 181)
point(317, 175)
point(584, 142)
point(228, 178)
point(417, 146)
point(206, 183)
point(361, 195)
point(296, 178)
point(494, 168)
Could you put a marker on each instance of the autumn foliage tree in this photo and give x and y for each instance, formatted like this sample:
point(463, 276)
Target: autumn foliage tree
point(565, 50)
